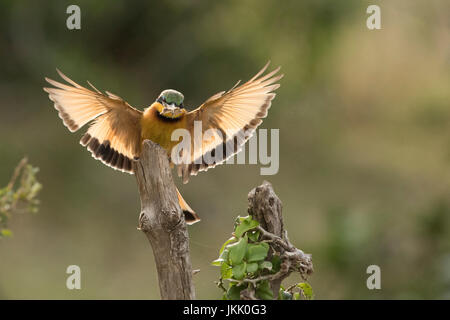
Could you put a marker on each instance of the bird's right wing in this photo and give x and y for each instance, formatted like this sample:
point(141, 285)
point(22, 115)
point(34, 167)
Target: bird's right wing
point(114, 137)
point(234, 115)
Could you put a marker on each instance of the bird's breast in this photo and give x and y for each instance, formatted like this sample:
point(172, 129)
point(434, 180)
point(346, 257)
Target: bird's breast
point(158, 128)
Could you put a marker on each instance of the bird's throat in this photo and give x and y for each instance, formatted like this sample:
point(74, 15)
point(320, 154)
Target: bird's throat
point(168, 113)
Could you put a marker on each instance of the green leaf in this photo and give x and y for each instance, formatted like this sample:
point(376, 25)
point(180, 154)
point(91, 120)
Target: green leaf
point(276, 263)
point(257, 252)
point(307, 290)
point(217, 262)
point(253, 235)
point(263, 291)
point(232, 239)
point(237, 251)
point(222, 258)
point(225, 271)
point(252, 267)
point(224, 255)
point(239, 271)
point(246, 224)
point(234, 292)
point(265, 265)
point(296, 296)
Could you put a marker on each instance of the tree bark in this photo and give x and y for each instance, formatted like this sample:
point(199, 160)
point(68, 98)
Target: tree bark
point(163, 223)
point(265, 207)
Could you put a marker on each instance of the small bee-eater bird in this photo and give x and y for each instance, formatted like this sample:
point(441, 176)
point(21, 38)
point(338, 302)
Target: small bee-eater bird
point(117, 130)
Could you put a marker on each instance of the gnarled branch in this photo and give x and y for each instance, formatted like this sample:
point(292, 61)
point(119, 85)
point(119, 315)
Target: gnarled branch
point(265, 207)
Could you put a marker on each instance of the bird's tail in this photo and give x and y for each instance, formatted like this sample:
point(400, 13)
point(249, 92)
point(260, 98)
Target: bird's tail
point(189, 215)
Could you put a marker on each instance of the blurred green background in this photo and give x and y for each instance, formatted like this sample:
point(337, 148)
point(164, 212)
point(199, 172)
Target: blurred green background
point(364, 119)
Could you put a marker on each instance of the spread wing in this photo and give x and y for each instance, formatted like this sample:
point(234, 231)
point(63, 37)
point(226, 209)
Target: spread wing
point(114, 134)
point(233, 115)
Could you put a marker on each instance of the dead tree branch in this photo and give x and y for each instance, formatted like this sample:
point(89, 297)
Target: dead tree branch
point(162, 221)
point(265, 207)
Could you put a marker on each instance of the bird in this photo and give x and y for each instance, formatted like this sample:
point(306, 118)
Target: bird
point(117, 130)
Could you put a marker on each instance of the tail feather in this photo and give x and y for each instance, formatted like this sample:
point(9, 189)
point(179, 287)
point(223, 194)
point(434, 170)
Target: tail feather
point(189, 215)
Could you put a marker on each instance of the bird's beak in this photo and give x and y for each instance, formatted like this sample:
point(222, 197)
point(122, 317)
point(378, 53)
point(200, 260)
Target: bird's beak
point(171, 110)
point(171, 107)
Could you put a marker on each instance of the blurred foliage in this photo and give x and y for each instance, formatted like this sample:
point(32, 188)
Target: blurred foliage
point(364, 123)
point(19, 196)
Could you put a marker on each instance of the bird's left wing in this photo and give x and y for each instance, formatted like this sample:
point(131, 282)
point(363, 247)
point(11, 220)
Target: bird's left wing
point(114, 137)
point(233, 115)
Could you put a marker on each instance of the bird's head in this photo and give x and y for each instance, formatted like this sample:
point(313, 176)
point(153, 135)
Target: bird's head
point(170, 104)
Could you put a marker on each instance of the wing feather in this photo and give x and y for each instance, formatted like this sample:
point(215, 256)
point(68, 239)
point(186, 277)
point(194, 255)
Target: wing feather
point(113, 136)
point(235, 114)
